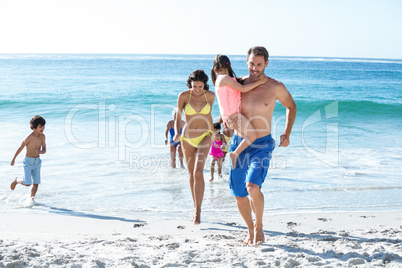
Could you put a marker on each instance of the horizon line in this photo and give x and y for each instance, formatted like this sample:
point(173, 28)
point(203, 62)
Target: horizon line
point(187, 54)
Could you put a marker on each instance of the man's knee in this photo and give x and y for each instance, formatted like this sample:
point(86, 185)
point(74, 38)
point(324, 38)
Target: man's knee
point(253, 189)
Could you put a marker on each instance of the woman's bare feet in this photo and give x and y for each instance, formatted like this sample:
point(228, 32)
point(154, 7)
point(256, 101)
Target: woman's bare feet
point(211, 179)
point(13, 184)
point(233, 159)
point(249, 239)
point(197, 218)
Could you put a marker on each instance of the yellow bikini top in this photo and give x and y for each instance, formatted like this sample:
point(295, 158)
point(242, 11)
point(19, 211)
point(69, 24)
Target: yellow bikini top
point(189, 110)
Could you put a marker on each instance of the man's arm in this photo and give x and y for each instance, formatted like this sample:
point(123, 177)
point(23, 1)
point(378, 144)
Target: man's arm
point(287, 101)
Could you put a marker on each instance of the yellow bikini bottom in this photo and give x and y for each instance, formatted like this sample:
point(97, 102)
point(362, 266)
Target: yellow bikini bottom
point(196, 140)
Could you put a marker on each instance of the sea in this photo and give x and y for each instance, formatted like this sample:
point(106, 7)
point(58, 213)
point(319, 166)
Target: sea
point(106, 116)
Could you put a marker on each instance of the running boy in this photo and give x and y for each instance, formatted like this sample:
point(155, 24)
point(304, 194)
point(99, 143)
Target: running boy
point(35, 145)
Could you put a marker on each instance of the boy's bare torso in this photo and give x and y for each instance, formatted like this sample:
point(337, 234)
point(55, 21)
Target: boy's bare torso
point(34, 143)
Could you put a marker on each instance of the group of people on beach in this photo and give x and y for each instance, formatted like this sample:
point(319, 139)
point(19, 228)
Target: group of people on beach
point(246, 106)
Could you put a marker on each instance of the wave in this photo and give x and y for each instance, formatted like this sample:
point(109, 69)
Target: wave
point(350, 107)
point(340, 189)
point(340, 208)
point(146, 103)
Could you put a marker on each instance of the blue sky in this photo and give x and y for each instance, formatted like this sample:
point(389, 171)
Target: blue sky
point(322, 28)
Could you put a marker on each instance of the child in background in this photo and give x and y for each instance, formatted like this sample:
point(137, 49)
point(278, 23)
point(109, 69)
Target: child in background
point(228, 134)
point(228, 91)
point(217, 156)
point(35, 145)
point(174, 146)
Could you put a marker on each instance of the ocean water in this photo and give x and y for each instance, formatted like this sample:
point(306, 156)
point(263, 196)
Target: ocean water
point(106, 116)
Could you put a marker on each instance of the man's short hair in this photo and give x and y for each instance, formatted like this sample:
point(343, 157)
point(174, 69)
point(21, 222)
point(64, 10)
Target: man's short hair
point(259, 51)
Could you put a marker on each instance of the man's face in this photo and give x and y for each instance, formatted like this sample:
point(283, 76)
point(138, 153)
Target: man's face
point(256, 65)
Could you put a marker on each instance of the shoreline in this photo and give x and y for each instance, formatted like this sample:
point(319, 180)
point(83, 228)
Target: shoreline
point(344, 239)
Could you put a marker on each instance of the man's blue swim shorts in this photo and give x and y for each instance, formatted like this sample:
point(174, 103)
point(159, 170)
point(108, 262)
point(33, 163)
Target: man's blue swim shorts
point(252, 164)
point(31, 170)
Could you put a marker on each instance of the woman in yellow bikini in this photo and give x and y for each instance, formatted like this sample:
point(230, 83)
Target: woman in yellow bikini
point(196, 137)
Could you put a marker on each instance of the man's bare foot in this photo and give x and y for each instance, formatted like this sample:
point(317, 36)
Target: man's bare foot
point(259, 236)
point(13, 184)
point(249, 239)
point(211, 179)
point(233, 159)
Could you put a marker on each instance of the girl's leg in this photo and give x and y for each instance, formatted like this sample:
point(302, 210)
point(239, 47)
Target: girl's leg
point(213, 160)
point(172, 155)
point(247, 131)
point(220, 162)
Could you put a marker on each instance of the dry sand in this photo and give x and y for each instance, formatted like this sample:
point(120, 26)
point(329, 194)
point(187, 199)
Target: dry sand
point(346, 239)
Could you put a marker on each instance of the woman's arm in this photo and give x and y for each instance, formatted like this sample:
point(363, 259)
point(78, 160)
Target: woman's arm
point(166, 132)
point(177, 122)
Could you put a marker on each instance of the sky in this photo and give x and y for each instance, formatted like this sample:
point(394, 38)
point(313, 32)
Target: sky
point(311, 28)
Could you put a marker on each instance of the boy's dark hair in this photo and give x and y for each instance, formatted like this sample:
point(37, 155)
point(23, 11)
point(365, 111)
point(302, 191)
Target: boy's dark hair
point(198, 75)
point(37, 120)
point(259, 51)
point(217, 126)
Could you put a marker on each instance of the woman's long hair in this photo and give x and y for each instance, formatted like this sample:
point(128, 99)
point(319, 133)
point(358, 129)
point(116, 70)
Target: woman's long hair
point(198, 75)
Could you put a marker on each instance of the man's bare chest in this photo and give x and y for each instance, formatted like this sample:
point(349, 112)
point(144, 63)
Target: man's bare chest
point(257, 101)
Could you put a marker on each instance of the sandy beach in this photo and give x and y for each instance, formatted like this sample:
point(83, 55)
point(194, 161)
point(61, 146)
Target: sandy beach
point(346, 239)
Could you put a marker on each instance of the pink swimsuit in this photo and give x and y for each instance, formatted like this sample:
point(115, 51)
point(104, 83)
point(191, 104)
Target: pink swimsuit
point(216, 149)
point(228, 100)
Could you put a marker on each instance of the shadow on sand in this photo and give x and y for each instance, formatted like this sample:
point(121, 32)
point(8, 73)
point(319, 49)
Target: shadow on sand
point(70, 212)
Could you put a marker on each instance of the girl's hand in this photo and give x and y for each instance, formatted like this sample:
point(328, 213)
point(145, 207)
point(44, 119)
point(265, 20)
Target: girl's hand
point(263, 79)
